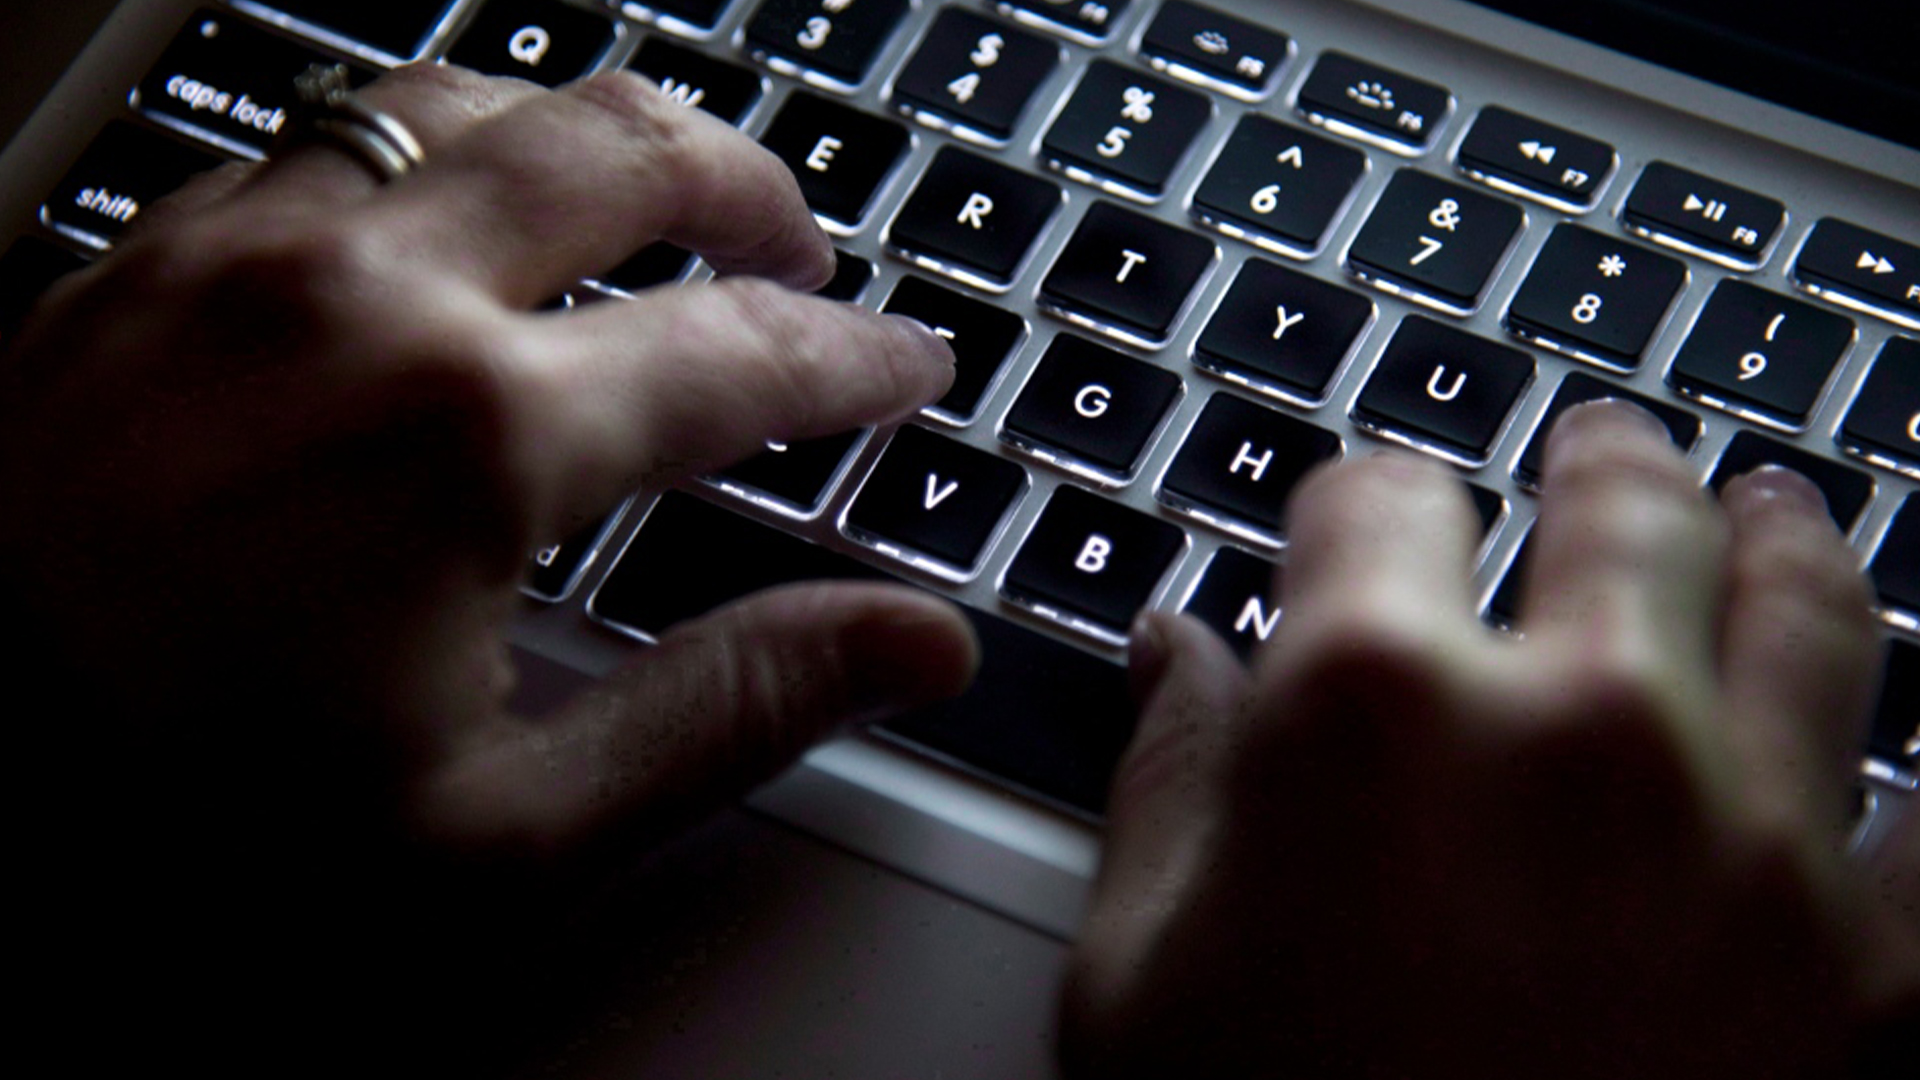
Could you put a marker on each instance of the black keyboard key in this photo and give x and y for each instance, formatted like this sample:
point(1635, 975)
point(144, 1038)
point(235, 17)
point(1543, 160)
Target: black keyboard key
point(656, 264)
point(1125, 131)
point(1366, 101)
point(1238, 595)
point(1488, 505)
point(1091, 563)
point(1529, 157)
point(981, 335)
point(1088, 21)
point(229, 80)
point(1708, 217)
point(1041, 716)
point(1884, 423)
point(1443, 388)
point(693, 78)
point(1126, 274)
point(1239, 464)
point(1896, 565)
point(930, 497)
point(686, 16)
point(1595, 297)
point(1090, 409)
point(1434, 241)
point(541, 41)
point(1682, 426)
point(126, 168)
point(556, 570)
point(397, 29)
point(1760, 354)
point(797, 476)
point(1869, 271)
point(1847, 490)
point(28, 270)
point(851, 276)
point(839, 154)
point(654, 584)
point(974, 74)
point(1278, 186)
point(1215, 49)
point(1278, 328)
point(974, 218)
point(1895, 735)
point(833, 41)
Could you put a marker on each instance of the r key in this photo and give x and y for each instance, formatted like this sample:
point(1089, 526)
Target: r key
point(1126, 274)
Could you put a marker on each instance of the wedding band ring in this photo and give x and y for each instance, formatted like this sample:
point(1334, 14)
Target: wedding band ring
point(331, 110)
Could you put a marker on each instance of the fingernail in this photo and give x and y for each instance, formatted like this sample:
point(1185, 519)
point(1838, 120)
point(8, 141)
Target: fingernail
point(1405, 465)
point(1591, 424)
point(1769, 486)
point(1148, 653)
point(936, 346)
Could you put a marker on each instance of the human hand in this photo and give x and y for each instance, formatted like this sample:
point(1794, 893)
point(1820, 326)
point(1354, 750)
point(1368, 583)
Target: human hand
point(1405, 845)
point(274, 467)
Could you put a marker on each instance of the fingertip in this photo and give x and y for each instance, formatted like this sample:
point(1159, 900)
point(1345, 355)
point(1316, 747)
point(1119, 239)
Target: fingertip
point(1602, 423)
point(904, 651)
point(1770, 489)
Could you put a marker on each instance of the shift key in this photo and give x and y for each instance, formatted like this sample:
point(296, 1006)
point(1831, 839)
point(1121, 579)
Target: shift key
point(1864, 270)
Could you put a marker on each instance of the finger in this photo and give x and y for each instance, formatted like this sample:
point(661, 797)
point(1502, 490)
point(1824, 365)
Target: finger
point(673, 383)
point(1167, 799)
point(1799, 649)
point(1379, 545)
point(721, 705)
point(438, 103)
point(571, 183)
point(205, 190)
point(1625, 575)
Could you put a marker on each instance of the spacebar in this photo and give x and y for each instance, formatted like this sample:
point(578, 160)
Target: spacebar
point(1042, 716)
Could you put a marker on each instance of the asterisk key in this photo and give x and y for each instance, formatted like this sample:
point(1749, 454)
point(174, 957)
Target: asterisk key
point(1613, 266)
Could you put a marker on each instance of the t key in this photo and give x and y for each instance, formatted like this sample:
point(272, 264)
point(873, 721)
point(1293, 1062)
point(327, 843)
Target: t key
point(1126, 274)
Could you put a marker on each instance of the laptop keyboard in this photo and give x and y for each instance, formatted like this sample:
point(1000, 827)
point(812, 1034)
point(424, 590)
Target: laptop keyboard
point(1183, 255)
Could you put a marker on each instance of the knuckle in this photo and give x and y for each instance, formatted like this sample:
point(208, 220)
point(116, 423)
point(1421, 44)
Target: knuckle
point(636, 110)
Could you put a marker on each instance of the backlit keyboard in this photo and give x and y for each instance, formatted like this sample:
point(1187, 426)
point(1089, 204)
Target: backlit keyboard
point(1183, 255)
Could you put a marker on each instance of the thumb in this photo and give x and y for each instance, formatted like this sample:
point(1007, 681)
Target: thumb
point(723, 703)
point(1164, 807)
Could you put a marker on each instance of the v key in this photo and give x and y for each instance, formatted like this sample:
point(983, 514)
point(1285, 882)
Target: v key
point(931, 499)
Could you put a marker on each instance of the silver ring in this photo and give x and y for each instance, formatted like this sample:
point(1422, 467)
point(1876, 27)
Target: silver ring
point(330, 109)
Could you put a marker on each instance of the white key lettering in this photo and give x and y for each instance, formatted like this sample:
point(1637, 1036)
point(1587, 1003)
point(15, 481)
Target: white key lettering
point(1093, 555)
point(1133, 259)
point(1115, 142)
point(815, 34)
point(823, 151)
point(546, 555)
point(1451, 392)
point(1287, 322)
point(986, 52)
point(1913, 428)
point(963, 87)
point(1245, 457)
point(682, 93)
point(120, 208)
point(937, 494)
point(975, 212)
point(1429, 247)
point(1257, 616)
point(1091, 401)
